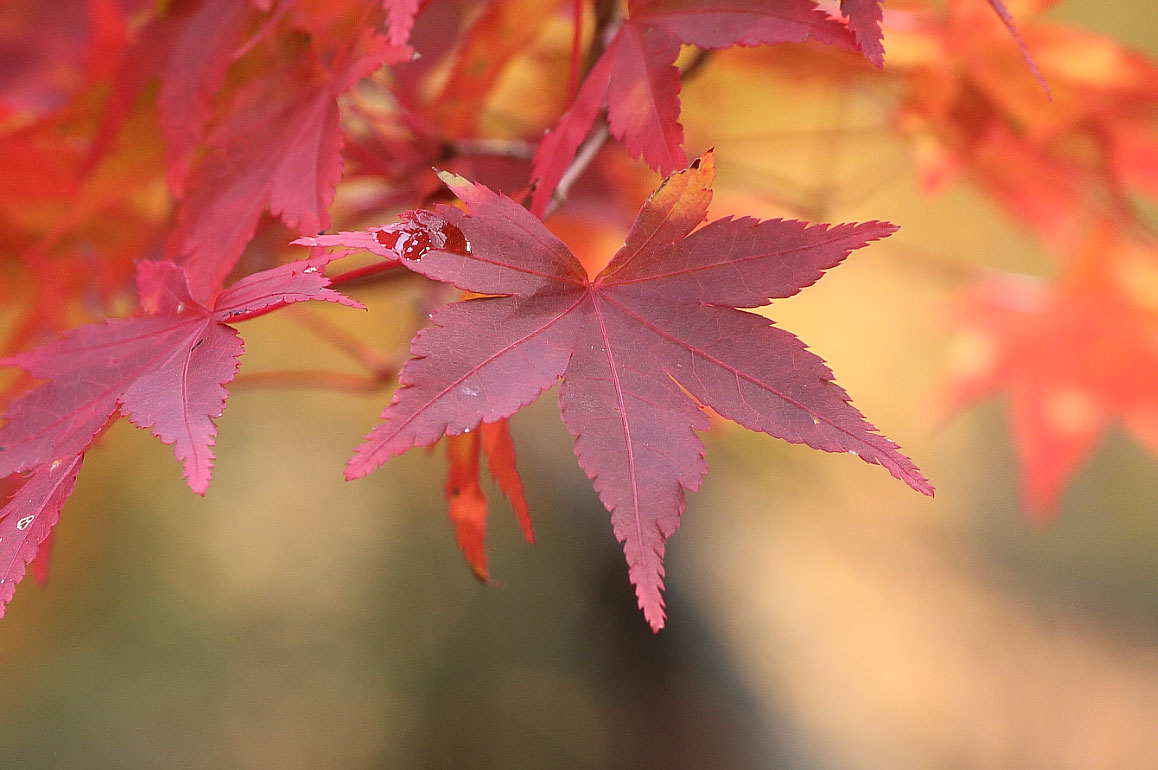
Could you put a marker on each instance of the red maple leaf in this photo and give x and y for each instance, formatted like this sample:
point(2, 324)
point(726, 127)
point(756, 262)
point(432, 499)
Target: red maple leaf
point(638, 78)
point(639, 348)
point(279, 147)
point(203, 47)
point(1070, 358)
point(465, 497)
point(400, 19)
point(27, 520)
point(864, 18)
point(164, 371)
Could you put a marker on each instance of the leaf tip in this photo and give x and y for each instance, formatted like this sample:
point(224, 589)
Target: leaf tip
point(453, 181)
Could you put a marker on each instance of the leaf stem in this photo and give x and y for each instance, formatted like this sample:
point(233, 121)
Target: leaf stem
point(392, 270)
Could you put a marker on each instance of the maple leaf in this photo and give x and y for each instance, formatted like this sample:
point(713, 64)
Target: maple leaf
point(864, 17)
point(638, 77)
point(27, 520)
point(278, 147)
point(1071, 357)
point(400, 19)
point(639, 348)
point(1002, 12)
point(466, 501)
point(464, 493)
point(202, 50)
point(164, 371)
point(1051, 162)
point(502, 31)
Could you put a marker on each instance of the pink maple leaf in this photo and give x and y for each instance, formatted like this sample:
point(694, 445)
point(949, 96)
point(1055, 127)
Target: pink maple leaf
point(864, 18)
point(27, 520)
point(639, 348)
point(638, 78)
point(164, 371)
point(279, 147)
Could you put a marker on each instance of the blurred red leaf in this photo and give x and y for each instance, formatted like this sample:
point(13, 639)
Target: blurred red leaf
point(1070, 357)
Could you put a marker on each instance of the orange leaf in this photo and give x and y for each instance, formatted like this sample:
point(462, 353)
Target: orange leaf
point(500, 451)
point(466, 501)
point(1071, 357)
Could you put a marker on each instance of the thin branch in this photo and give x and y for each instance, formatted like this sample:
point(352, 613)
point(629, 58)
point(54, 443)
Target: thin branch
point(348, 383)
point(376, 363)
point(583, 158)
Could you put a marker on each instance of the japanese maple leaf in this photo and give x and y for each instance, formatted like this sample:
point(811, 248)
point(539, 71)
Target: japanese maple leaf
point(465, 496)
point(1070, 358)
point(27, 520)
point(400, 19)
point(639, 348)
point(279, 147)
point(637, 76)
point(864, 18)
point(202, 50)
point(164, 371)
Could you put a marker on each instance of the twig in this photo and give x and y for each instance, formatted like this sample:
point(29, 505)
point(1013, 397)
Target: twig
point(583, 158)
point(376, 363)
point(349, 383)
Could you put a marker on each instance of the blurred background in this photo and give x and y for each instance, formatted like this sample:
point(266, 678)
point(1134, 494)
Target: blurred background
point(821, 614)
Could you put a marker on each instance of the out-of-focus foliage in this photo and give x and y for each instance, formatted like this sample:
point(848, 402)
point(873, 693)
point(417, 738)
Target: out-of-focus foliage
point(291, 620)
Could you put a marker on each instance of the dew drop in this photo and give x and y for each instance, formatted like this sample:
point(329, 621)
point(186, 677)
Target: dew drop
point(854, 453)
point(310, 269)
point(469, 390)
point(466, 430)
point(180, 307)
point(23, 523)
point(815, 420)
point(419, 232)
point(55, 465)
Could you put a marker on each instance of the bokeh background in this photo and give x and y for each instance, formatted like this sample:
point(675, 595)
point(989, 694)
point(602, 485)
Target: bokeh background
point(822, 615)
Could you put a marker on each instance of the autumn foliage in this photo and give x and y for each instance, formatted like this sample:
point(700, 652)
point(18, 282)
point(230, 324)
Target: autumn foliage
point(178, 149)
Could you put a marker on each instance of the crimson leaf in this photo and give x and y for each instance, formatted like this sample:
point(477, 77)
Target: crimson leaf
point(28, 518)
point(279, 147)
point(639, 348)
point(164, 371)
point(864, 17)
point(638, 77)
